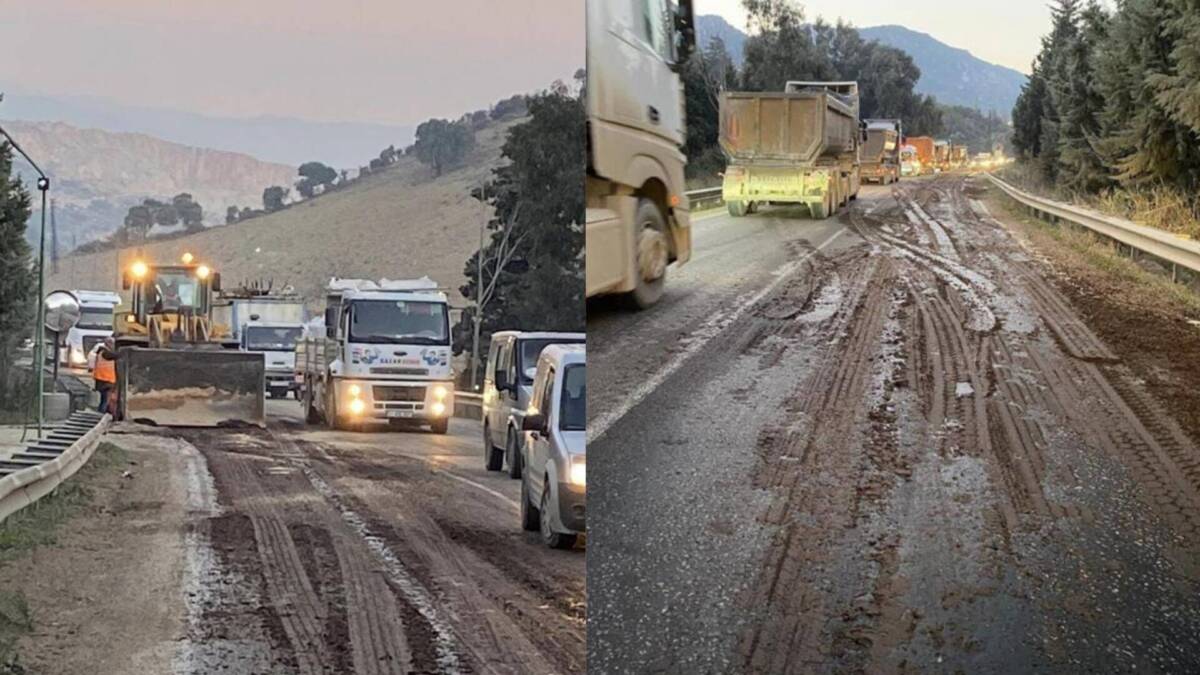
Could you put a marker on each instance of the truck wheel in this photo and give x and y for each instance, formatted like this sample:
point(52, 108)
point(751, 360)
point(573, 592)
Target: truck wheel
point(310, 411)
point(737, 209)
point(493, 457)
point(819, 211)
point(440, 426)
point(514, 455)
point(530, 517)
point(549, 536)
point(651, 254)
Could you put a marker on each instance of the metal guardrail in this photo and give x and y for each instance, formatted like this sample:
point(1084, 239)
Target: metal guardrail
point(468, 405)
point(1174, 249)
point(704, 196)
point(33, 473)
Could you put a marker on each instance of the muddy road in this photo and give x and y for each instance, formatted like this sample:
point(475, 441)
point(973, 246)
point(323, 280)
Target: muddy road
point(312, 551)
point(883, 442)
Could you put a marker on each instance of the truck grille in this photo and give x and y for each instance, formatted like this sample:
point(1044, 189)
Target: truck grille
point(390, 370)
point(398, 393)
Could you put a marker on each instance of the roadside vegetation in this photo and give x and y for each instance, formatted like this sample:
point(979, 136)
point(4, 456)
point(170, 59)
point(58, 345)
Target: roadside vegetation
point(529, 272)
point(1110, 116)
point(17, 285)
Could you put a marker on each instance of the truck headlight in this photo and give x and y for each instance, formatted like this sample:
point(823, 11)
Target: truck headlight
point(354, 390)
point(77, 356)
point(357, 406)
point(439, 392)
point(578, 475)
point(438, 408)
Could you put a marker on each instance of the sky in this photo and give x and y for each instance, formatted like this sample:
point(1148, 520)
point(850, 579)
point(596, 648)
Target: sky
point(1007, 33)
point(381, 61)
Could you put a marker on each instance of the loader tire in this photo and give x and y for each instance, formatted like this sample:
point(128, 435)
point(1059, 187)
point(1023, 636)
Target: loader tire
point(737, 209)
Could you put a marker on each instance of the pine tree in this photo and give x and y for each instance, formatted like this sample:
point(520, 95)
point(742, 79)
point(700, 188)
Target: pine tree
point(1080, 168)
point(16, 269)
point(1057, 75)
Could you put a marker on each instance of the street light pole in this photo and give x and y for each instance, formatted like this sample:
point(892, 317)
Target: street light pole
point(43, 184)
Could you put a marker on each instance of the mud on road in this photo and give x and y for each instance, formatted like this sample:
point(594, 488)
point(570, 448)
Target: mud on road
point(312, 558)
point(929, 462)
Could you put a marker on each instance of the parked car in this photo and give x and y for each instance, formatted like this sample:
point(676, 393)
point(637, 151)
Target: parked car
point(507, 384)
point(554, 481)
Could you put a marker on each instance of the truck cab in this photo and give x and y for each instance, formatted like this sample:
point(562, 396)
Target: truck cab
point(384, 356)
point(277, 343)
point(637, 220)
point(96, 309)
point(507, 387)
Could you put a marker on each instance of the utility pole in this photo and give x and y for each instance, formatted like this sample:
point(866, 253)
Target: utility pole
point(478, 290)
point(53, 240)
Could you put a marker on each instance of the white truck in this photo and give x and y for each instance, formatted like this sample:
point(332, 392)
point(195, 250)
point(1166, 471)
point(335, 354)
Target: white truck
point(266, 322)
point(95, 324)
point(637, 220)
point(382, 354)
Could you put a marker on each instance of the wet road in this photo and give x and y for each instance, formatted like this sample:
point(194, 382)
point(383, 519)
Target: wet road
point(883, 442)
point(316, 551)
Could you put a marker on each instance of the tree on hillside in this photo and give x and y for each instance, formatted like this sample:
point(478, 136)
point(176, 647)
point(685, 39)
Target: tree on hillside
point(781, 47)
point(231, 215)
point(190, 213)
point(313, 174)
point(513, 106)
point(533, 260)
point(273, 198)
point(17, 289)
point(443, 144)
point(139, 220)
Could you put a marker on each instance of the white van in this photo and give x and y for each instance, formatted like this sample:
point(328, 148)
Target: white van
point(554, 485)
point(507, 384)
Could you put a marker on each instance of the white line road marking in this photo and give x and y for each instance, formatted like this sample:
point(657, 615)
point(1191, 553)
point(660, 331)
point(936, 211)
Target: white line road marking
point(692, 344)
point(440, 468)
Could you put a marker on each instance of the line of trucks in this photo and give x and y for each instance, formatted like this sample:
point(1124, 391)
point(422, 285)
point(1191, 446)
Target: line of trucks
point(805, 146)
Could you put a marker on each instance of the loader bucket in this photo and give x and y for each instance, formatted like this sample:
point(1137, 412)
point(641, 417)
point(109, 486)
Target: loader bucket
point(192, 387)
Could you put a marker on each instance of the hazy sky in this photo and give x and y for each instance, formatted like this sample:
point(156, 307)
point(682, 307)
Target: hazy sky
point(1006, 32)
point(387, 61)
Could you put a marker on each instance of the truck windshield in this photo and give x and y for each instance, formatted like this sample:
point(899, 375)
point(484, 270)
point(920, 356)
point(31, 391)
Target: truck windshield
point(97, 318)
point(399, 321)
point(573, 413)
point(531, 350)
point(264, 339)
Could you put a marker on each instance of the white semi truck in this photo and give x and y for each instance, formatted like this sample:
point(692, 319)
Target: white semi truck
point(266, 322)
point(95, 323)
point(382, 354)
point(637, 220)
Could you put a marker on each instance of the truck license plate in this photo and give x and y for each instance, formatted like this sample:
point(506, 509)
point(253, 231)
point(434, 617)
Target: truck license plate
point(399, 413)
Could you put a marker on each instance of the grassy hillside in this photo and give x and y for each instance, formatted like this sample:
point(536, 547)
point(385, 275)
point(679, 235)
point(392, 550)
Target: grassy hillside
point(399, 222)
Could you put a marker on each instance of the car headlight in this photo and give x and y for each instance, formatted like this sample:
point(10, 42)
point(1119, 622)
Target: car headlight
point(578, 471)
point(357, 407)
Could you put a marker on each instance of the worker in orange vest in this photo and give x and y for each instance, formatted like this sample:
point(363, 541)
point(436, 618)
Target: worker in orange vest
point(105, 373)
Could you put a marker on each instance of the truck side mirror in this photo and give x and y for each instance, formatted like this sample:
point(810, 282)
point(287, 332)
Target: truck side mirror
point(501, 379)
point(331, 331)
point(534, 422)
point(125, 281)
point(216, 281)
point(684, 20)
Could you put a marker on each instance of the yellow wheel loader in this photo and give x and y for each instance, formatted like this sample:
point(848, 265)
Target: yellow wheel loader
point(175, 367)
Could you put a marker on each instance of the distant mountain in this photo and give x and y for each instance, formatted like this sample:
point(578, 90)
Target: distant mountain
point(284, 140)
point(97, 175)
point(951, 75)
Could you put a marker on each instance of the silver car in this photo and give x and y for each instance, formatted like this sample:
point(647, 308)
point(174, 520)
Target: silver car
point(507, 385)
point(554, 485)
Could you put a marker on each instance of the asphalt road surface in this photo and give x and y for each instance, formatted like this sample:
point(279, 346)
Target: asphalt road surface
point(882, 442)
point(316, 551)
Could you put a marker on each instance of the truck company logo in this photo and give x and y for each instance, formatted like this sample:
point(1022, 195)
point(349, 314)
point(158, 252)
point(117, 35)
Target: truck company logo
point(433, 357)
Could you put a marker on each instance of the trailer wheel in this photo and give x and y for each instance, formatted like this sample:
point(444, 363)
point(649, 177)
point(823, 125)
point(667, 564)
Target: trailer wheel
point(651, 253)
point(819, 211)
point(310, 411)
point(737, 209)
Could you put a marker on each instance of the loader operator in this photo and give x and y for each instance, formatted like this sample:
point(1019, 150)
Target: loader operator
point(105, 374)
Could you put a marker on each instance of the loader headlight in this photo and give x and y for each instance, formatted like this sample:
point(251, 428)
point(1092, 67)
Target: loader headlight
point(202, 272)
point(138, 269)
point(357, 406)
point(438, 408)
point(578, 475)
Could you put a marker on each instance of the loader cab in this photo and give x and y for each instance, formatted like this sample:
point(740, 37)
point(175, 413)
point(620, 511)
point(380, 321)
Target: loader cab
point(170, 289)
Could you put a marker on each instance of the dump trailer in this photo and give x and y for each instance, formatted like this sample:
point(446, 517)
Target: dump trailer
point(941, 155)
point(798, 146)
point(909, 164)
point(638, 222)
point(176, 367)
point(924, 147)
point(880, 153)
